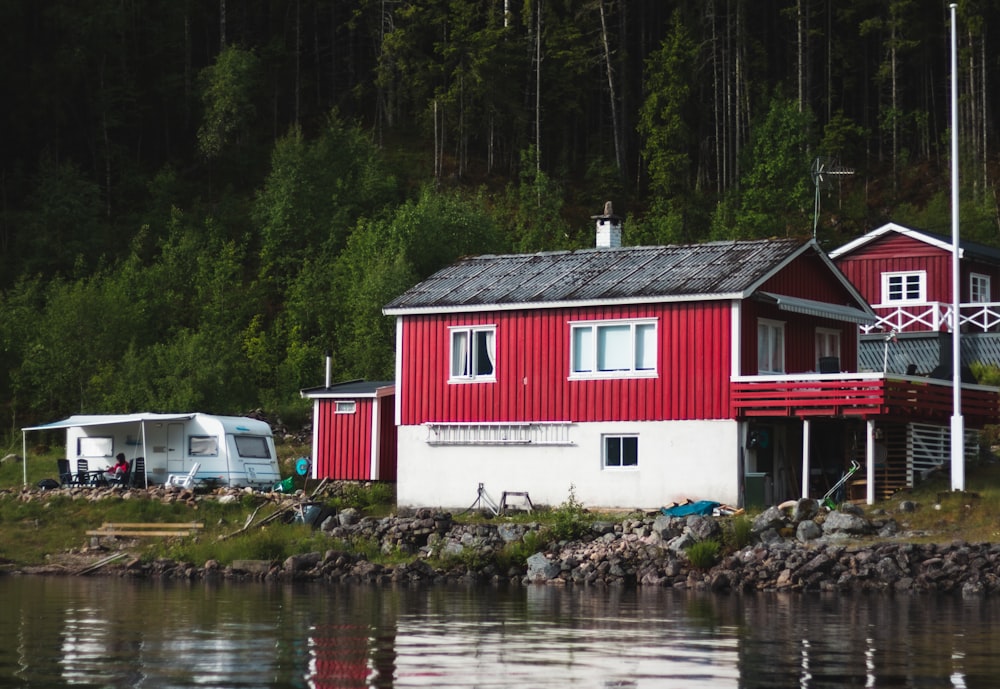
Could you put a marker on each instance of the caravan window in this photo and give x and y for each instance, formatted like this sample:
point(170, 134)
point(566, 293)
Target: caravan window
point(203, 446)
point(95, 446)
point(254, 446)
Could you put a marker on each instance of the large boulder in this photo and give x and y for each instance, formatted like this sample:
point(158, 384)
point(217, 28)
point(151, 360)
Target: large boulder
point(771, 518)
point(541, 569)
point(844, 524)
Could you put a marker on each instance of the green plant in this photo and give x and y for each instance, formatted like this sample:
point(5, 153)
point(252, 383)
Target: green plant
point(703, 554)
point(570, 520)
point(741, 530)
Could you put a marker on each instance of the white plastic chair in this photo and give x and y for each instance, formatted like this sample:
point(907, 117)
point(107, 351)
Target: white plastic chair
point(183, 480)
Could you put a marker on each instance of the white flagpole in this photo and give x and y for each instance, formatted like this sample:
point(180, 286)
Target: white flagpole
point(957, 421)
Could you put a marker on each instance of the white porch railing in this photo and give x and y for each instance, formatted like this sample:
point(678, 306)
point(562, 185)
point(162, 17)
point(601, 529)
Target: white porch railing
point(933, 316)
point(499, 433)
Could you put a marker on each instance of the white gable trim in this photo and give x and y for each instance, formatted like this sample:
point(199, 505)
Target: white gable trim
point(898, 229)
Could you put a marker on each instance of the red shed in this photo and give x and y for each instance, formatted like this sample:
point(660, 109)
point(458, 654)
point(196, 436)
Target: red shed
point(354, 437)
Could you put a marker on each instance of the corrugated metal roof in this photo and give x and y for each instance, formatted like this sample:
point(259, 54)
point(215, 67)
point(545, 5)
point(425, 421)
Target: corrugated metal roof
point(923, 351)
point(715, 269)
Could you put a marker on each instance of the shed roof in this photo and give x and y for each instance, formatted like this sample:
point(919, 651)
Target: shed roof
point(351, 389)
point(713, 270)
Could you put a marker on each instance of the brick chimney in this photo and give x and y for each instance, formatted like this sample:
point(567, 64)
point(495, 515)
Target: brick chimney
point(609, 228)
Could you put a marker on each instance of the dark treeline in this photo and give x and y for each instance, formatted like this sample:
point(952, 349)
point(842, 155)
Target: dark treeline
point(198, 199)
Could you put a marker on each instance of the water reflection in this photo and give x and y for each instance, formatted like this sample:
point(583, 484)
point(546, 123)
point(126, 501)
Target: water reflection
point(119, 633)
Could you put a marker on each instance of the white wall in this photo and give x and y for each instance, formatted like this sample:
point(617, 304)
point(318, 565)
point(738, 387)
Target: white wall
point(677, 460)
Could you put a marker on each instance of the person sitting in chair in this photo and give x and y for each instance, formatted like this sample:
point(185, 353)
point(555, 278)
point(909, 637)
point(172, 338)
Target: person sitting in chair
point(120, 467)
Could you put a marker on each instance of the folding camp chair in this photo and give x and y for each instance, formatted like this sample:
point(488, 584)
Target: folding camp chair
point(138, 473)
point(65, 473)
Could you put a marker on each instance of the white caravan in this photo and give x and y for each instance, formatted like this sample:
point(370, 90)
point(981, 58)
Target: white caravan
point(230, 450)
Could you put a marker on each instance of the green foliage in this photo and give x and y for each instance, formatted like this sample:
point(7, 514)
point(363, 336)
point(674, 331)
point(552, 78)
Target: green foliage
point(570, 521)
point(703, 554)
point(776, 190)
point(229, 100)
point(378, 497)
point(741, 531)
point(665, 119)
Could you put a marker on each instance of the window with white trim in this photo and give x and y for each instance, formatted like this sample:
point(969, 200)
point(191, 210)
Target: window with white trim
point(473, 354)
point(827, 344)
point(94, 446)
point(203, 446)
point(904, 287)
point(613, 349)
point(770, 346)
point(620, 452)
point(979, 288)
point(345, 407)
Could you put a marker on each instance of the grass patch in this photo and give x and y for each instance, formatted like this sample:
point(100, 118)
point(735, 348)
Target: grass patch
point(946, 515)
point(703, 554)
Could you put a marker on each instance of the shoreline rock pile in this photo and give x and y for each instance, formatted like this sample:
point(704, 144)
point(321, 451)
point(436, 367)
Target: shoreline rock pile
point(798, 548)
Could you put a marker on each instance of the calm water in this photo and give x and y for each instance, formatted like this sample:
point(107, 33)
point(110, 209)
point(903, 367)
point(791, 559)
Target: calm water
point(118, 633)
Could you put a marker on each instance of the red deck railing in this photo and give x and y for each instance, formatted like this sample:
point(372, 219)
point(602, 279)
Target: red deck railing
point(866, 395)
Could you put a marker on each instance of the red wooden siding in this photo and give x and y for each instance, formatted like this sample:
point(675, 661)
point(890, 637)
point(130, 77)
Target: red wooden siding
point(808, 277)
point(386, 438)
point(533, 364)
point(344, 441)
point(898, 253)
point(800, 339)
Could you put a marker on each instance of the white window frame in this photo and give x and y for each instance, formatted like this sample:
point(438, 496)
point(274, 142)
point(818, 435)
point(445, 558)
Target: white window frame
point(464, 359)
point(902, 284)
point(775, 335)
point(95, 446)
point(203, 445)
point(608, 439)
point(979, 288)
point(827, 343)
point(345, 407)
point(586, 353)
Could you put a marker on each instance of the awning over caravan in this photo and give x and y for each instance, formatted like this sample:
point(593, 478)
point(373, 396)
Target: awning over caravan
point(140, 419)
point(107, 420)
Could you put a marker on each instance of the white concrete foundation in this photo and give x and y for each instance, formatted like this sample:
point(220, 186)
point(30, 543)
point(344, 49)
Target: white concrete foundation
point(678, 460)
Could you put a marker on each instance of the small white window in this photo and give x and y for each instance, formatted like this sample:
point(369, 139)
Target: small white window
point(613, 349)
point(770, 346)
point(904, 287)
point(979, 288)
point(827, 348)
point(346, 407)
point(94, 446)
point(621, 452)
point(203, 446)
point(473, 354)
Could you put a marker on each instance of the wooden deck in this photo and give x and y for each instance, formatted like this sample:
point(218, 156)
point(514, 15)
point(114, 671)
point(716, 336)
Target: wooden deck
point(860, 395)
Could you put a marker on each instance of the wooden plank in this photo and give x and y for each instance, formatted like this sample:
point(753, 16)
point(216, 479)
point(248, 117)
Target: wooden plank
point(140, 532)
point(153, 525)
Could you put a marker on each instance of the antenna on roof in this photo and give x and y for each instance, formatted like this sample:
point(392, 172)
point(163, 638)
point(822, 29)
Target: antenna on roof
point(824, 170)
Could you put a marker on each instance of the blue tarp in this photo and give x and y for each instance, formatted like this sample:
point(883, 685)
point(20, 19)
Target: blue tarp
point(702, 507)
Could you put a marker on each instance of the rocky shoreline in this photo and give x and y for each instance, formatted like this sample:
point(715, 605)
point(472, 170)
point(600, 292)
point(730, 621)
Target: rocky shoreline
point(798, 547)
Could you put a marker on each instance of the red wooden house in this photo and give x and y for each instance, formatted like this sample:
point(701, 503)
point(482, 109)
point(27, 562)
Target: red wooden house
point(906, 275)
point(354, 436)
point(635, 376)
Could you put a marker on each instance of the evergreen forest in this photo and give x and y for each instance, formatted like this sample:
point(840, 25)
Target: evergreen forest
point(200, 198)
